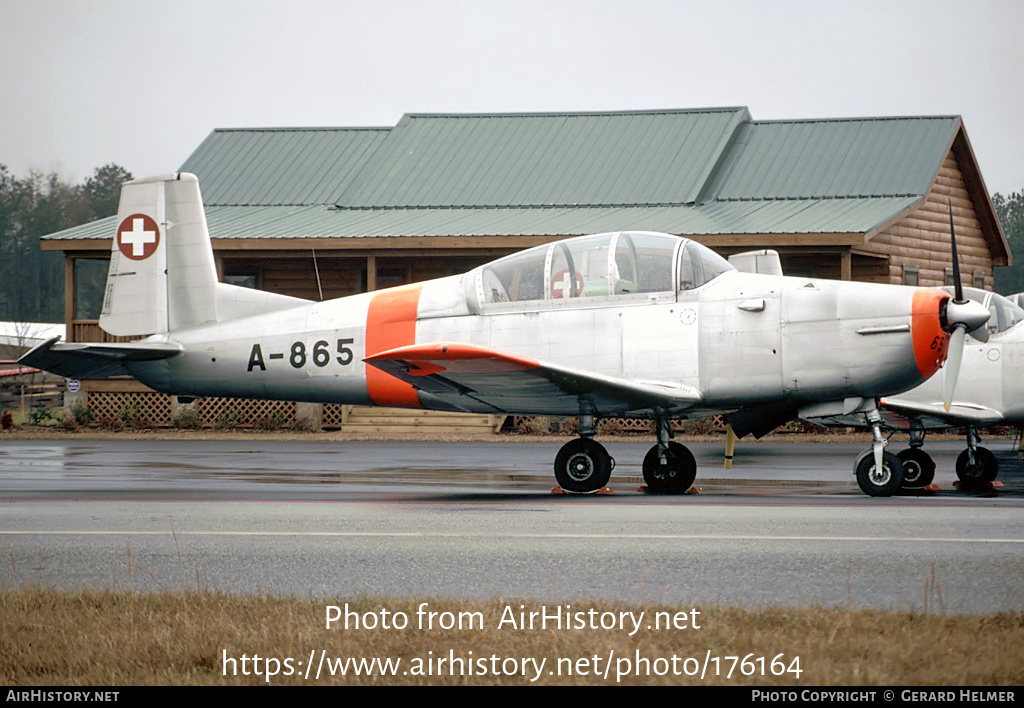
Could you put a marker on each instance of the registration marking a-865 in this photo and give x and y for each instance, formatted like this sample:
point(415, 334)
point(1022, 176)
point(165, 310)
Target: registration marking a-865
point(319, 354)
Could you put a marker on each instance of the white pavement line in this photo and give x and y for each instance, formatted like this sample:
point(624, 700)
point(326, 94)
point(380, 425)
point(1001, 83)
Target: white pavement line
point(393, 534)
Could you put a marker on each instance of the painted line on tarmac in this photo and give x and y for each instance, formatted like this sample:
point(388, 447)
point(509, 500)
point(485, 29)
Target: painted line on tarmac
point(418, 534)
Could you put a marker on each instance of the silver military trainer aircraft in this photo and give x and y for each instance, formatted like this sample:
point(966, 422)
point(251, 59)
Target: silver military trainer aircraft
point(990, 392)
point(616, 324)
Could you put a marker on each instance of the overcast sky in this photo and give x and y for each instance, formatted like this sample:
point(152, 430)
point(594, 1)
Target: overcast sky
point(141, 83)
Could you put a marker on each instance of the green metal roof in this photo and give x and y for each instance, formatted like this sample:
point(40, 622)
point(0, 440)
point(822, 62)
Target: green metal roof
point(711, 171)
point(860, 215)
point(519, 160)
point(836, 158)
point(281, 166)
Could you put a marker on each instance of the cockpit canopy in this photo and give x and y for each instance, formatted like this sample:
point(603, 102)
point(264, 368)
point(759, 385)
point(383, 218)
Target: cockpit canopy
point(616, 264)
point(1003, 313)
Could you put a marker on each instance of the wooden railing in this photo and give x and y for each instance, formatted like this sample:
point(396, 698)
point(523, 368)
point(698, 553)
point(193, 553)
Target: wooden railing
point(89, 331)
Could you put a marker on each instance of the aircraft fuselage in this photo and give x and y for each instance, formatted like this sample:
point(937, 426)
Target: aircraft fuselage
point(739, 339)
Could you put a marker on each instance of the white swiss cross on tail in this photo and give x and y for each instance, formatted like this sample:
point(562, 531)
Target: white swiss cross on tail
point(138, 237)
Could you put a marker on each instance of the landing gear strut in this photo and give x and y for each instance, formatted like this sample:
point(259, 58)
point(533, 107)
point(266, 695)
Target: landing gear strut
point(879, 473)
point(976, 465)
point(669, 468)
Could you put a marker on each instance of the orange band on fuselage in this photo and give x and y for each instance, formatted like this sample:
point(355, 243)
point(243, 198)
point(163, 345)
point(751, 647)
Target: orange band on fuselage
point(391, 323)
point(931, 343)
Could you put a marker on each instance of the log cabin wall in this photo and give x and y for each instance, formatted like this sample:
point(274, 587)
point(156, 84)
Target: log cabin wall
point(288, 273)
point(921, 237)
point(292, 273)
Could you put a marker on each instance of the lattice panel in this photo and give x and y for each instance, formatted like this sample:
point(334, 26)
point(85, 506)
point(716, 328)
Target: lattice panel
point(638, 425)
point(331, 415)
point(153, 408)
point(230, 412)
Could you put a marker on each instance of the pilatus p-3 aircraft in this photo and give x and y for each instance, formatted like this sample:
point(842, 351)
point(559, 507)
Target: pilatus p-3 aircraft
point(990, 392)
point(611, 325)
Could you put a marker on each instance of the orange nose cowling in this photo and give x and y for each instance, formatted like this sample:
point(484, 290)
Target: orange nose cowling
point(931, 342)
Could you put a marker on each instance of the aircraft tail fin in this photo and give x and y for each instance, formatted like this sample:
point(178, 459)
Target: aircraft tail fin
point(162, 275)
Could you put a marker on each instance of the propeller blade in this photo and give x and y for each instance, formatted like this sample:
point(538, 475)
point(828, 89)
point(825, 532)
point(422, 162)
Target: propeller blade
point(958, 286)
point(952, 367)
point(962, 316)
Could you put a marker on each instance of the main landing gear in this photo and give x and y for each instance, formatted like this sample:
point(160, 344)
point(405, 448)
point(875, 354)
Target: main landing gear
point(918, 466)
point(879, 473)
point(669, 468)
point(975, 466)
point(584, 466)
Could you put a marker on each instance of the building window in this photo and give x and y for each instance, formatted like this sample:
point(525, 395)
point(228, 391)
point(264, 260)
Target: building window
point(244, 277)
point(979, 279)
point(911, 275)
point(949, 276)
point(386, 276)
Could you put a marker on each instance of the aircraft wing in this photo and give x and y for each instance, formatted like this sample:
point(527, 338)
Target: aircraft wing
point(901, 414)
point(84, 361)
point(473, 378)
point(934, 415)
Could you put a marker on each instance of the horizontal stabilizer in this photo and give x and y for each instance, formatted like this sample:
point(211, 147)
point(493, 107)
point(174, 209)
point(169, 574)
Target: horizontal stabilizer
point(86, 361)
point(470, 377)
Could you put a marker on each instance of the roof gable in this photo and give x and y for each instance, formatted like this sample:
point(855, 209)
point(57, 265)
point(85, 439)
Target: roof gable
point(529, 160)
point(820, 159)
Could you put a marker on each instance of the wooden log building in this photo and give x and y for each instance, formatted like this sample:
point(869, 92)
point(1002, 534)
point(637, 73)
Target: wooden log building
point(324, 212)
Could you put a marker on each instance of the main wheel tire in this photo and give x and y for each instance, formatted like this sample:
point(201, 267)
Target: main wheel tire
point(918, 468)
point(676, 475)
point(883, 483)
point(985, 467)
point(582, 466)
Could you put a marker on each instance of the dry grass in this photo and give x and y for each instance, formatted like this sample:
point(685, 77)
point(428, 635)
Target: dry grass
point(121, 638)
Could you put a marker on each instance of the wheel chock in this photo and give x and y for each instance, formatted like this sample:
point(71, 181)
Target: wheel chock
point(994, 485)
point(931, 488)
point(645, 490)
point(602, 490)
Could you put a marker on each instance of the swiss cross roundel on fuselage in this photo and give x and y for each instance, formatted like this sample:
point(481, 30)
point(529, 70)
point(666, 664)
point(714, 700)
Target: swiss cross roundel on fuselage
point(138, 237)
